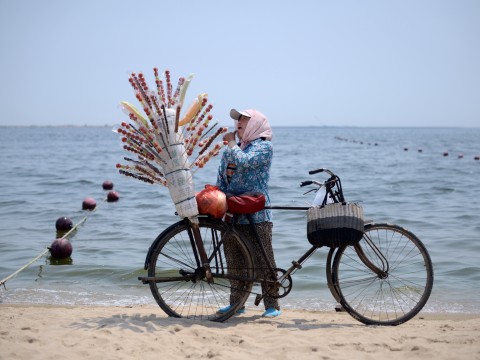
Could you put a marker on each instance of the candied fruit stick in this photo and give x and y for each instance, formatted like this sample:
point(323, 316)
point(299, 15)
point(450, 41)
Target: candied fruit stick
point(142, 170)
point(205, 144)
point(180, 100)
point(165, 119)
point(185, 86)
point(139, 176)
point(144, 162)
point(160, 89)
point(142, 135)
point(208, 131)
point(136, 147)
point(140, 85)
point(176, 94)
point(200, 163)
point(177, 117)
point(211, 139)
point(169, 87)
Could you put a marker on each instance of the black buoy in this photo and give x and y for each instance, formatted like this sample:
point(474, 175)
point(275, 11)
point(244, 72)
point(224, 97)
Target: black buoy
point(476, 158)
point(89, 204)
point(445, 153)
point(107, 185)
point(61, 248)
point(113, 196)
point(64, 224)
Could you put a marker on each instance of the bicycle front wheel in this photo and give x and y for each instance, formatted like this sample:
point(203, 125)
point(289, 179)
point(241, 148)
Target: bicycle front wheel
point(178, 280)
point(386, 278)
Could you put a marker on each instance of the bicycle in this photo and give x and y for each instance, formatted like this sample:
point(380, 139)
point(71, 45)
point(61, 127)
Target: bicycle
point(383, 279)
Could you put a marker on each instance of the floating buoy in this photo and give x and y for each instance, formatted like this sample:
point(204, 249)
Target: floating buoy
point(420, 150)
point(405, 149)
point(107, 185)
point(64, 224)
point(113, 196)
point(460, 156)
point(61, 248)
point(89, 204)
point(445, 154)
point(476, 158)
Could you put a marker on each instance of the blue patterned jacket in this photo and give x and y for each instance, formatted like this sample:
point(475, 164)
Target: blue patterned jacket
point(247, 170)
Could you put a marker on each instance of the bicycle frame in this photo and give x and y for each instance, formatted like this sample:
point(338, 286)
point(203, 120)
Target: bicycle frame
point(333, 190)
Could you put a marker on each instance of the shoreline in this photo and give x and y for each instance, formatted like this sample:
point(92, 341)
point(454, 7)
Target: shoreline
point(45, 331)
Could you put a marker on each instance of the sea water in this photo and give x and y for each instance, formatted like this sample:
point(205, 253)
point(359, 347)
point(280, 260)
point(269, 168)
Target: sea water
point(423, 179)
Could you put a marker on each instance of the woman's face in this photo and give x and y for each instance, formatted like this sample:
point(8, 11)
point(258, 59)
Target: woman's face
point(241, 125)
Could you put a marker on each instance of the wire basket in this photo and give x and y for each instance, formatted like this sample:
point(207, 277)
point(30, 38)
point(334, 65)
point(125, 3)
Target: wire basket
point(335, 225)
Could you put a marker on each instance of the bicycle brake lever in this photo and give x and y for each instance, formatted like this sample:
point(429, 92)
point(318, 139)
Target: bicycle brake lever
point(305, 183)
point(310, 191)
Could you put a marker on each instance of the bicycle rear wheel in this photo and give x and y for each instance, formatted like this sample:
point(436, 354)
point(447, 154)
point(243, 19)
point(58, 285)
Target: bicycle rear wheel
point(178, 280)
point(386, 278)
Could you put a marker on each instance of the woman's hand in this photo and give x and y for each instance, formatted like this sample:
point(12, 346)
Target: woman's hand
point(230, 136)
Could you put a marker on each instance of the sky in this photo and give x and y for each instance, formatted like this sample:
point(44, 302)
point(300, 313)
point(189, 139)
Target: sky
point(301, 63)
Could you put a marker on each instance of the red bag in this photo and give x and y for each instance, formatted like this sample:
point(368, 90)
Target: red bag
point(211, 201)
point(247, 203)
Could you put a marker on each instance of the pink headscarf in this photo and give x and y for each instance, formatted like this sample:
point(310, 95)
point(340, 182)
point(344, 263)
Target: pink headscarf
point(257, 127)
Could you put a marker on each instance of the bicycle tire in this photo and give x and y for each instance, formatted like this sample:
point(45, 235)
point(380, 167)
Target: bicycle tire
point(329, 274)
point(395, 294)
point(180, 287)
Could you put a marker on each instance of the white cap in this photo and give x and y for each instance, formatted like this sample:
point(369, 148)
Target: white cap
point(235, 114)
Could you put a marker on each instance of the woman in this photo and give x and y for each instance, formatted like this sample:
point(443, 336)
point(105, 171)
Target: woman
point(245, 167)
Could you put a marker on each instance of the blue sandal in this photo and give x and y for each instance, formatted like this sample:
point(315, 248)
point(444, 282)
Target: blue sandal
point(272, 312)
point(227, 309)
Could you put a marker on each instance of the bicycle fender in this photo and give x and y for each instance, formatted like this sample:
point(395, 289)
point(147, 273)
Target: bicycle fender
point(159, 237)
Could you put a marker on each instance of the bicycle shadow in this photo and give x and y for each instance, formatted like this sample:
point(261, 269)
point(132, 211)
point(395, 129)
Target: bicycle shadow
point(142, 323)
point(295, 323)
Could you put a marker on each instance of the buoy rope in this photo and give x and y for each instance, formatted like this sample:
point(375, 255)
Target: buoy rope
point(2, 282)
point(22, 268)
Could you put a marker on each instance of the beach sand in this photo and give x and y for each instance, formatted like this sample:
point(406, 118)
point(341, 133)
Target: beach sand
point(145, 332)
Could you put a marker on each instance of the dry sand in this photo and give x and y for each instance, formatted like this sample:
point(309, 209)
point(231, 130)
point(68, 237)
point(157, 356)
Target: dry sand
point(145, 332)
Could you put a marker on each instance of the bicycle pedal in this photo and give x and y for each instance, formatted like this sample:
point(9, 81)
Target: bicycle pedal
point(258, 298)
point(339, 308)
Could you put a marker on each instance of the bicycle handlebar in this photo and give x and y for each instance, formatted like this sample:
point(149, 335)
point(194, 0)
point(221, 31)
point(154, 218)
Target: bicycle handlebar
point(311, 172)
point(333, 186)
